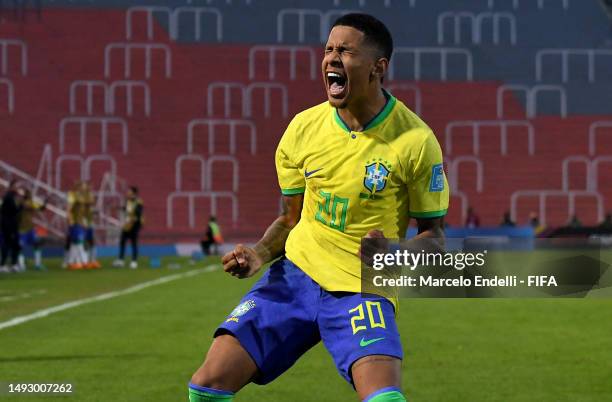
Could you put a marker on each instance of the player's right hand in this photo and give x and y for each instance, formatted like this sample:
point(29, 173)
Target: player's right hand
point(242, 262)
point(374, 242)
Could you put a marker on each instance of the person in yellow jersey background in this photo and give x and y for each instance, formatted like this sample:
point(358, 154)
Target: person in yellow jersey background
point(358, 165)
point(27, 231)
point(88, 200)
point(75, 211)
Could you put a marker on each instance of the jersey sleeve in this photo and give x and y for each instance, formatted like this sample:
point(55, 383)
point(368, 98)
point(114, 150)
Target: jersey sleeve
point(427, 187)
point(290, 179)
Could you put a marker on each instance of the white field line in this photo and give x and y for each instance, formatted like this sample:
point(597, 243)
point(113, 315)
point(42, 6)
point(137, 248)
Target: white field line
point(105, 296)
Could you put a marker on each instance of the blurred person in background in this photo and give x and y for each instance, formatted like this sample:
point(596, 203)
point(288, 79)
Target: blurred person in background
point(77, 257)
point(9, 216)
point(534, 222)
point(66, 248)
point(27, 230)
point(472, 220)
point(606, 224)
point(574, 222)
point(507, 221)
point(88, 220)
point(133, 220)
point(212, 238)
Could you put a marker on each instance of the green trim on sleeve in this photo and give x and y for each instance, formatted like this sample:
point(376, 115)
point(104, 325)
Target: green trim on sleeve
point(430, 214)
point(293, 191)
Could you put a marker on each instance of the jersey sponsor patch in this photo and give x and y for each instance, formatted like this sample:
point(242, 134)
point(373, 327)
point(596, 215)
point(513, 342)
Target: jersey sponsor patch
point(437, 178)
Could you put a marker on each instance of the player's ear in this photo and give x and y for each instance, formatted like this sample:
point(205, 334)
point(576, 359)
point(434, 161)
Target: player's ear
point(379, 69)
point(381, 66)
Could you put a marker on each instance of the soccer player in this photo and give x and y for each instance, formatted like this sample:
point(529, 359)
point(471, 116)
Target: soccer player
point(27, 232)
point(131, 227)
point(359, 165)
point(77, 257)
point(88, 216)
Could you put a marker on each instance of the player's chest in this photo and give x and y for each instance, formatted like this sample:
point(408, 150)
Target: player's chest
point(351, 165)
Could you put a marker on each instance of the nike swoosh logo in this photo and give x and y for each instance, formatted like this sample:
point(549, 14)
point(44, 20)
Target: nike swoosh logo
point(363, 343)
point(307, 174)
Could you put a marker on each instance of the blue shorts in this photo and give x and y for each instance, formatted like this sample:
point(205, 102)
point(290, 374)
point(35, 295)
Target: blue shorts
point(286, 313)
point(89, 235)
point(76, 233)
point(28, 238)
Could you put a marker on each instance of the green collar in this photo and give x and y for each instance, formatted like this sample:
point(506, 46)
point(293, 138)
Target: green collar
point(376, 120)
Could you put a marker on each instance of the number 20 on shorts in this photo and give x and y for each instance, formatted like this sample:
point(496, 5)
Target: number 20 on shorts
point(374, 313)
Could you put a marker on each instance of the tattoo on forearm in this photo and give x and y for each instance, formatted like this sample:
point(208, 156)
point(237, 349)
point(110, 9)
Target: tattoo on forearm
point(272, 244)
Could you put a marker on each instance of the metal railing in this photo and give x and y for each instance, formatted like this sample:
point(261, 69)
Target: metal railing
point(83, 122)
point(89, 86)
point(4, 55)
point(442, 52)
point(232, 124)
point(128, 48)
point(198, 12)
point(454, 171)
point(10, 94)
point(476, 125)
point(129, 86)
point(273, 50)
point(543, 195)
point(565, 54)
point(178, 171)
point(593, 130)
point(246, 97)
point(191, 197)
point(477, 24)
point(149, 12)
point(516, 4)
point(565, 171)
point(222, 159)
point(531, 98)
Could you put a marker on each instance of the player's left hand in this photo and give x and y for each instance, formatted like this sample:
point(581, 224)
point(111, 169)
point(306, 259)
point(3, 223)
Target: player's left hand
point(242, 262)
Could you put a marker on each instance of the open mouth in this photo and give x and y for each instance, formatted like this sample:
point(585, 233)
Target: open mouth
point(337, 84)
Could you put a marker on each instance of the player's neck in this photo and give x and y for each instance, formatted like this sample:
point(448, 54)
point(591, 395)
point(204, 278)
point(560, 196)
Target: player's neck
point(357, 115)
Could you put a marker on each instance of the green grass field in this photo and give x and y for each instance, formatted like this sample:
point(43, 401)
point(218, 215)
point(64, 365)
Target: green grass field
point(145, 345)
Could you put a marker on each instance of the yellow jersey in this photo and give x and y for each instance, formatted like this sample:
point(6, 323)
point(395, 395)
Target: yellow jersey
point(76, 208)
point(26, 216)
point(88, 200)
point(354, 182)
point(133, 214)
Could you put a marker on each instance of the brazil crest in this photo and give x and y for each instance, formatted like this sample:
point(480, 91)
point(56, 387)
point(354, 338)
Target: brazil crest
point(376, 176)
